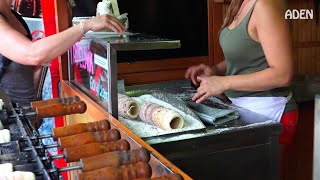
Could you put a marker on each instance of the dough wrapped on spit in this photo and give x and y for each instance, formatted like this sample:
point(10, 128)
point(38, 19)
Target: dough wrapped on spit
point(1, 125)
point(5, 136)
point(128, 107)
point(18, 175)
point(160, 116)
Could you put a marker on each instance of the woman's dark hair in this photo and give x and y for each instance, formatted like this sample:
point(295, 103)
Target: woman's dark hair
point(231, 13)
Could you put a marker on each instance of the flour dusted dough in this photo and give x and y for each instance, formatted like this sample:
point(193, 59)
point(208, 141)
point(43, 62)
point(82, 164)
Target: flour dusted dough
point(128, 107)
point(6, 168)
point(17, 175)
point(160, 116)
point(5, 136)
point(1, 125)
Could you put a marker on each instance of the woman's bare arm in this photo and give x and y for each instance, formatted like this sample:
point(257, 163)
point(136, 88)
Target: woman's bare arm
point(20, 49)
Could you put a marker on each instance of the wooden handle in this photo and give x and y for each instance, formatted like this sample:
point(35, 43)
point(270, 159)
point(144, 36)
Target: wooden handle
point(73, 154)
point(61, 109)
point(126, 172)
point(89, 137)
point(53, 101)
point(173, 176)
point(115, 159)
point(80, 128)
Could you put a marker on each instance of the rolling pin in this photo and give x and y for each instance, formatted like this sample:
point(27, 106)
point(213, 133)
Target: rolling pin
point(173, 176)
point(48, 102)
point(126, 172)
point(89, 137)
point(61, 109)
point(110, 159)
point(73, 154)
point(82, 138)
point(48, 111)
point(74, 129)
point(80, 128)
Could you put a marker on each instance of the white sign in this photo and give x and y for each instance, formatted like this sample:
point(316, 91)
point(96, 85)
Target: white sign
point(299, 14)
point(101, 61)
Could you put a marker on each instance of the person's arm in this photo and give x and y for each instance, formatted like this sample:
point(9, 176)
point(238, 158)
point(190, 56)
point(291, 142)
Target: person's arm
point(20, 49)
point(274, 36)
point(220, 68)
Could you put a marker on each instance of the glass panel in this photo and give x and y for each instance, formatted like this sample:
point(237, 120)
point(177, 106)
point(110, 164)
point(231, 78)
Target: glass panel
point(90, 75)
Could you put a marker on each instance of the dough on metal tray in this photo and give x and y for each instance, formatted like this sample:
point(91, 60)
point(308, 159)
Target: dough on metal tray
point(160, 116)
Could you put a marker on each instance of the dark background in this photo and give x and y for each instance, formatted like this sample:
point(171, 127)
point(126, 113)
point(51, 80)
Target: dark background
point(174, 19)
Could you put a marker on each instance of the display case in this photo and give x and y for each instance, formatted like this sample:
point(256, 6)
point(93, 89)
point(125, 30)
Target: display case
point(246, 147)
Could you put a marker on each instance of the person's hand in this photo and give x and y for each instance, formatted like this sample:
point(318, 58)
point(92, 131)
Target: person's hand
point(104, 22)
point(209, 86)
point(201, 70)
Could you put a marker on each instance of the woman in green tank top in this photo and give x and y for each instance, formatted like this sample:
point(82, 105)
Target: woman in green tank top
point(258, 65)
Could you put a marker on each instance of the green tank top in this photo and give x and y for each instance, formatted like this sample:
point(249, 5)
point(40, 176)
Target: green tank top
point(244, 56)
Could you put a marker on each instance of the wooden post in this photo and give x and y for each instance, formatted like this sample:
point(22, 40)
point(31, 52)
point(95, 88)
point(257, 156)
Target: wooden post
point(63, 17)
point(316, 140)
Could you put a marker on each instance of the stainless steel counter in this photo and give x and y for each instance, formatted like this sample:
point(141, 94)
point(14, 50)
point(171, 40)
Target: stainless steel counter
point(182, 89)
point(134, 41)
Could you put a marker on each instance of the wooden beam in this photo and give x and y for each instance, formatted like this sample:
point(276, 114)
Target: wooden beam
point(217, 23)
point(306, 44)
point(63, 22)
point(210, 31)
point(222, 1)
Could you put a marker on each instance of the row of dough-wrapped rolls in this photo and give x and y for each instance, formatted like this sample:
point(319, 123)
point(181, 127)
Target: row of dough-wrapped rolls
point(151, 113)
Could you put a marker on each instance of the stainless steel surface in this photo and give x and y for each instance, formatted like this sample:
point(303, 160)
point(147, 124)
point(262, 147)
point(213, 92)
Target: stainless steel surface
point(171, 99)
point(70, 168)
point(15, 158)
point(112, 81)
point(9, 147)
point(136, 41)
point(316, 144)
point(183, 90)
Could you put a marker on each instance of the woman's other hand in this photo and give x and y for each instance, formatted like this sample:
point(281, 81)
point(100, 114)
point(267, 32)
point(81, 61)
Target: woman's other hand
point(103, 22)
point(201, 70)
point(210, 86)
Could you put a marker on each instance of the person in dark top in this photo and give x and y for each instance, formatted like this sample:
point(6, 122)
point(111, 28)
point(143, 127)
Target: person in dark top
point(19, 55)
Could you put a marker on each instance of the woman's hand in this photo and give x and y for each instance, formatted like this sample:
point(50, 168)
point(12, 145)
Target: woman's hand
point(103, 22)
point(210, 86)
point(201, 70)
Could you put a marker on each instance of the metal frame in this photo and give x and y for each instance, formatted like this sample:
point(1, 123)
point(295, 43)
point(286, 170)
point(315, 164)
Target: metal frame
point(316, 140)
point(112, 81)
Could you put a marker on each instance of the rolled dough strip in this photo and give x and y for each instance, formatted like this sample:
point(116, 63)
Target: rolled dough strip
point(1, 125)
point(128, 107)
point(5, 136)
point(18, 175)
point(1, 104)
point(161, 117)
point(6, 168)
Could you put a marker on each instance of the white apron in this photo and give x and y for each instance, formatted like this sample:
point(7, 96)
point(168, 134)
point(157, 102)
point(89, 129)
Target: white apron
point(271, 107)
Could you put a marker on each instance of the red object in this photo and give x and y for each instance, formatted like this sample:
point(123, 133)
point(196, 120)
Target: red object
point(289, 123)
point(49, 21)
